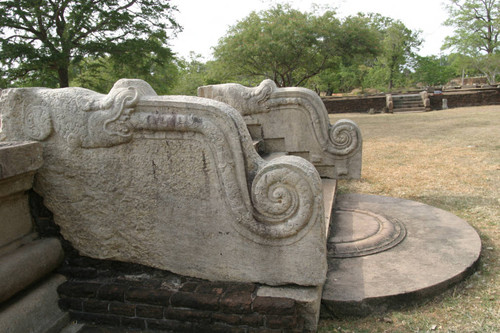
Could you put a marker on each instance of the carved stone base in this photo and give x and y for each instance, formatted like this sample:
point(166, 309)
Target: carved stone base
point(390, 272)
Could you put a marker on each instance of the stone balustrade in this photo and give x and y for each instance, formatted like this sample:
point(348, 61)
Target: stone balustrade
point(171, 182)
point(295, 121)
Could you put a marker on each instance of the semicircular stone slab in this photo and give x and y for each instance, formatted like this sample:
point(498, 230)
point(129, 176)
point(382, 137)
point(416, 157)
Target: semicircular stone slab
point(386, 252)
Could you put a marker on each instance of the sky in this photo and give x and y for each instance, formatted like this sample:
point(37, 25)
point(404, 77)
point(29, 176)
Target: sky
point(206, 21)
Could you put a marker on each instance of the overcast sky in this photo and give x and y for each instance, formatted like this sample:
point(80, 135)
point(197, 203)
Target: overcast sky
point(205, 21)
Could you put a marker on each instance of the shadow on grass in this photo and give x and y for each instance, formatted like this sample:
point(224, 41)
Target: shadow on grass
point(450, 202)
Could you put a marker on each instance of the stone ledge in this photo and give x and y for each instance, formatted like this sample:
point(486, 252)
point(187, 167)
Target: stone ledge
point(28, 264)
point(19, 157)
point(35, 311)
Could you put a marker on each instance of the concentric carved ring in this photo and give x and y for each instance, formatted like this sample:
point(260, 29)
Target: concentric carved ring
point(356, 233)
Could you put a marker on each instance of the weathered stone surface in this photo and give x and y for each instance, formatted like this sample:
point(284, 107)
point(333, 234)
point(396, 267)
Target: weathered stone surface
point(308, 302)
point(295, 120)
point(18, 158)
point(439, 250)
point(170, 182)
point(28, 264)
point(18, 162)
point(36, 311)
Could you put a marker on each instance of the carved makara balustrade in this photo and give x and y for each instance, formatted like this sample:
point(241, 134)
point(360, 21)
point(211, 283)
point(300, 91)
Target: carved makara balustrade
point(174, 182)
point(295, 121)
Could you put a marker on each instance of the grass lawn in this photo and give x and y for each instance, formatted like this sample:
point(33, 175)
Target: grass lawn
point(451, 160)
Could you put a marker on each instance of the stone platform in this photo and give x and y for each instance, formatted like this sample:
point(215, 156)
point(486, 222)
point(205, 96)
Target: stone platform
point(386, 252)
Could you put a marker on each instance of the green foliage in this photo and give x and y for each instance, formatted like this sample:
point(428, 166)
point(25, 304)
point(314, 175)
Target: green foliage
point(99, 74)
point(433, 71)
point(399, 46)
point(476, 34)
point(289, 46)
point(193, 73)
point(40, 39)
point(476, 24)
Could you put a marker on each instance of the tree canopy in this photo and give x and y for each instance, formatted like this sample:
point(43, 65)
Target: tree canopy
point(477, 26)
point(40, 39)
point(289, 46)
point(476, 34)
point(399, 46)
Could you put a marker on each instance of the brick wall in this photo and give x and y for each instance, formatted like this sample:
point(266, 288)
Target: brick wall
point(132, 296)
point(476, 97)
point(459, 98)
point(354, 104)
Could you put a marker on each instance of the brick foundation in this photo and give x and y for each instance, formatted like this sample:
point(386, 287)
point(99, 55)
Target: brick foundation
point(354, 104)
point(136, 297)
point(461, 98)
point(456, 98)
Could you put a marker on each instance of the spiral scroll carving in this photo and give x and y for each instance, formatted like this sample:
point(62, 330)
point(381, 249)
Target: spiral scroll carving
point(37, 123)
point(345, 137)
point(285, 196)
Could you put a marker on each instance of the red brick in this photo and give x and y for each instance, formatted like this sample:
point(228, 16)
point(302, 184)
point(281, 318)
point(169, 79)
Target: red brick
point(230, 319)
point(187, 315)
point(133, 323)
point(236, 302)
point(189, 286)
point(216, 288)
point(112, 292)
point(253, 320)
point(195, 301)
point(95, 318)
point(149, 311)
point(218, 328)
point(281, 322)
point(78, 289)
point(274, 305)
point(148, 296)
point(123, 309)
point(171, 325)
point(95, 306)
point(263, 330)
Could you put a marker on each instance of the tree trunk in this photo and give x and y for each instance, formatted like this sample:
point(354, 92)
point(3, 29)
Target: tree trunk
point(63, 73)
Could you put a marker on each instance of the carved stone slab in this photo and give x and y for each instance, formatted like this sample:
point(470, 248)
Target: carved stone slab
point(170, 182)
point(295, 120)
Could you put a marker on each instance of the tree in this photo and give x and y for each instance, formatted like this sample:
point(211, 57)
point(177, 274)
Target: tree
point(42, 38)
point(399, 45)
point(99, 74)
point(476, 34)
point(288, 46)
point(433, 71)
point(477, 26)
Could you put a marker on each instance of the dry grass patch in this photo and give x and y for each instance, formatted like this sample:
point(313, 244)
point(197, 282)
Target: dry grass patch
point(451, 160)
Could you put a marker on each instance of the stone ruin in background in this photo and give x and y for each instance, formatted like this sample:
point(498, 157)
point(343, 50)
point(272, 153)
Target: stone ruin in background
point(170, 217)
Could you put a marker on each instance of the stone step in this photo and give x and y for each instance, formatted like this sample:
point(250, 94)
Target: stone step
point(419, 102)
point(271, 156)
point(387, 252)
point(35, 310)
point(405, 96)
point(410, 109)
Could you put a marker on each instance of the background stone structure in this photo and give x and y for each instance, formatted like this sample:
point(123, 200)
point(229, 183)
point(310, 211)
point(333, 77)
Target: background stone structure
point(456, 98)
